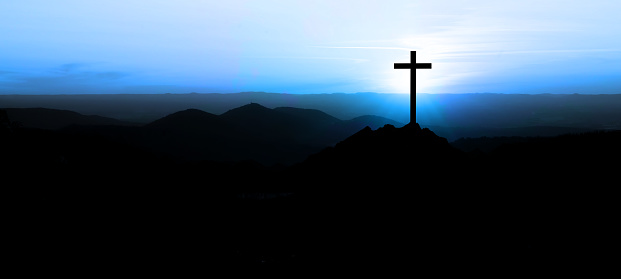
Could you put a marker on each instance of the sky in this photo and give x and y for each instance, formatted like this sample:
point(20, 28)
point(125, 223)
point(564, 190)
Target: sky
point(299, 47)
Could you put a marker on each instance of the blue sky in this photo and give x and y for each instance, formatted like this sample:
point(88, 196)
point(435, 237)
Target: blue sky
point(290, 46)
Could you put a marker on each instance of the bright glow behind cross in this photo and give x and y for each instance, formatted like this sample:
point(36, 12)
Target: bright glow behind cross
point(413, 66)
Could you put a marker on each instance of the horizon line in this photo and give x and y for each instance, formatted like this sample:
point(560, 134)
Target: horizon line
point(286, 93)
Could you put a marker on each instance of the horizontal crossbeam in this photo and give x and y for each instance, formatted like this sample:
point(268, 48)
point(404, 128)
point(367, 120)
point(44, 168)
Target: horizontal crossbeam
point(409, 66)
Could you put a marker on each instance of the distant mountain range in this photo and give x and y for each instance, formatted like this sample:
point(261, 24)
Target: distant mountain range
point(145, 108)
point(251, 132)
point(44, 118)
point(449, 115)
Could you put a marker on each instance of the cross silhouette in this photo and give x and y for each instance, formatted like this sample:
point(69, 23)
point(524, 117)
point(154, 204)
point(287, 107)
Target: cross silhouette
point(412, 66)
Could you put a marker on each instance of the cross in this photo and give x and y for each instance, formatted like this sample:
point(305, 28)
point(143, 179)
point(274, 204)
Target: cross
point(412, 66)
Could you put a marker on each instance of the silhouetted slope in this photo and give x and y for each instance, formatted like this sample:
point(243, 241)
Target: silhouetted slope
point(577, 158)
point(515, 208)
point(310, 116)
point(455, 133)
point(249, 132)
point(44, 118)
point(373, 121)
point(187, 119)
point(387, 149)
point(260, 123)
point(568, 191)
point(242, 113)
point(378, 192)
point(305, 126)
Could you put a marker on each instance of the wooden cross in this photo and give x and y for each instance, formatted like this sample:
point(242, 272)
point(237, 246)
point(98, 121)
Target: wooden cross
point(413, 66)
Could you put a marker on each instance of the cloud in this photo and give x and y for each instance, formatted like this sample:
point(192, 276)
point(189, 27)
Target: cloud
point(70, 78)
point(368, 47)
point(69, 67)
point(80, 71)
point(358, 60)
point(540, 51)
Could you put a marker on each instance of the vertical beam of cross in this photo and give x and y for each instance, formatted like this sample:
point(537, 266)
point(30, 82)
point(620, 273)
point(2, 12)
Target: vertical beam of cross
point(413, 66)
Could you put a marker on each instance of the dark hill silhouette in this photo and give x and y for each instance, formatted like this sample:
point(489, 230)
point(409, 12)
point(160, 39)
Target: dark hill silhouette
point(251, 132)
point(260, 123)
point(373, 121)
point(386, 199)
point(249, 109)
point(565, 184)
point(5, 122)
point(456, 133)
point(398, 150)
point(186, 119)
point(303, 126)
point(282, 135)
point(583, 155)
point(515, 207)
point(380, 179)
point(310, 116)
point(43, 118)
point(189, 123)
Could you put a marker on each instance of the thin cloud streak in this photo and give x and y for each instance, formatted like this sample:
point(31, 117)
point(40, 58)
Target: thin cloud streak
point(468, 53)
point(358, 60)
point(356, 47)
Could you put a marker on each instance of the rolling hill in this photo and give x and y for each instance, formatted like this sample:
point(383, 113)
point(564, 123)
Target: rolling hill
point(252, 132)
point(44, 118)
point(283, 135)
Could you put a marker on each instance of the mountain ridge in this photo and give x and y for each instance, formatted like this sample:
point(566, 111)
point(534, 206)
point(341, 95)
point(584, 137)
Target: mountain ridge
point(187, 116)
point(285, 132)
point(45, 118)
point(284, 135)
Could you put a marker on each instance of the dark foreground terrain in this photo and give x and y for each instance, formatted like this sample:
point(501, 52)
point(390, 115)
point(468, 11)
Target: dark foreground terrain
point(388, 200)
